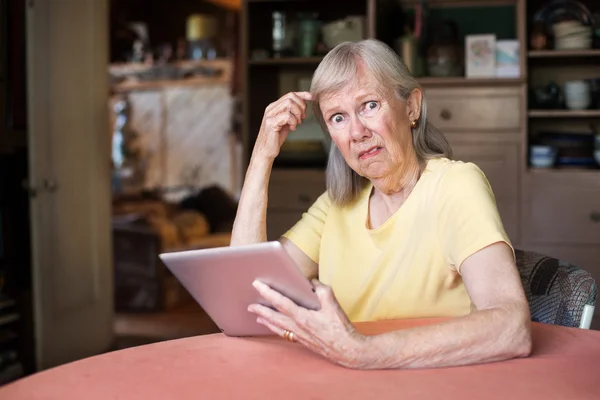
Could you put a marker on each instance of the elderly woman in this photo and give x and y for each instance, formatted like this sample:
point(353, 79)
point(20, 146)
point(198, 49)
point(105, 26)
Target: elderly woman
point(402, 231)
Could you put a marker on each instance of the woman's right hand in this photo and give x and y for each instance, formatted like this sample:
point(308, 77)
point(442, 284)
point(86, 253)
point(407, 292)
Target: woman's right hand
point(280, 117)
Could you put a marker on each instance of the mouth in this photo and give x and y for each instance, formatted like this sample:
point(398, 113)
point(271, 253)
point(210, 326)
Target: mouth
point(373, 151)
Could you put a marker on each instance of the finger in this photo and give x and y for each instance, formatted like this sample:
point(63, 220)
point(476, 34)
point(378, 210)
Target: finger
point(295, 110)
point(301, 101)
point(282, 120)
point(272, 327)
point(304, 95)
point(324, 292)
point(288, 100)
point(267, 313)
point(277, 300)
point(296, 335)
point(290, 105)
point(273, 317)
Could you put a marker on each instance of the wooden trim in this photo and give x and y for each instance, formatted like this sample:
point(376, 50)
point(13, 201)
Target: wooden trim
point(286, 61)
point(463, 82)
point(563, 53)
point(371, 19)
point(245, 87)
point(459, 3)
point(564, 113)
point(122, 69)
point(590, 175)
point(126, 87)
point(521, 25)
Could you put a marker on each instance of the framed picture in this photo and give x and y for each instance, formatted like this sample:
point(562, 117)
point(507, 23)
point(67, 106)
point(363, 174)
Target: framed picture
point(15, 70)
point(480, 56)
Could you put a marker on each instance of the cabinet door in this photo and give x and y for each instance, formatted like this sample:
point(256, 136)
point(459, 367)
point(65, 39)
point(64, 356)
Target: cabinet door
point(500, 163)
point(70, 164)
point(280, 221)
point(291, 193)
point(562, 207)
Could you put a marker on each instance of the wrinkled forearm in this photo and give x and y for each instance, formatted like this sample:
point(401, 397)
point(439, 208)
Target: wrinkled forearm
point(250, 225)
point(483, 336)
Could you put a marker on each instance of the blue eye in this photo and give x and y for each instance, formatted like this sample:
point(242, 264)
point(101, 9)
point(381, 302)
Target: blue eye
point(371, 105)
point(337, 118)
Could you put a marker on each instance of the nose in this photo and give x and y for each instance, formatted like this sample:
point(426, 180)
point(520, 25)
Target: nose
point(358, 130)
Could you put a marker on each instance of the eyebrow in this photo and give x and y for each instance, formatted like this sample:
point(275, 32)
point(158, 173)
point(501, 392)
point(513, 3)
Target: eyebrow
point(361, 98)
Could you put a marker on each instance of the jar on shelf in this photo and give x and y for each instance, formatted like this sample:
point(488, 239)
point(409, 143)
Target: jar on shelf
point(309, 29)
point(201, 31)
point(445, 53)
point(279, 34)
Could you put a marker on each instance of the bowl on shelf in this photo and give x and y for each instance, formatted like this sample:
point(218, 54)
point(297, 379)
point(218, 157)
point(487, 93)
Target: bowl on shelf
point(577, 95)
point(571, 35)
point(542, 156)
point(597, 156)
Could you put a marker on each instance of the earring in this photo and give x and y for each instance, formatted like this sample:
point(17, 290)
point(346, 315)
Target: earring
point(413, 124)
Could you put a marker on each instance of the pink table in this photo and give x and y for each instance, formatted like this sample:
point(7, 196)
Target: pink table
point(565, 365)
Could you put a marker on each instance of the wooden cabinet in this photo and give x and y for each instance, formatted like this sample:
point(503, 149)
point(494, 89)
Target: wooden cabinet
point(500, 163)
point(483, 110)
point(563, 208)
point(291, 192)
point(561, 213)
point(483, 126)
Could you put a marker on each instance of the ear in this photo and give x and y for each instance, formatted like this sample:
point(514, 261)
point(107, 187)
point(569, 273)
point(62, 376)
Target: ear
point(413, 105)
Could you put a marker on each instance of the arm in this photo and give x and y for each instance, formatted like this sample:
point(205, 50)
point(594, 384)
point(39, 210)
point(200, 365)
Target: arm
point(309, 268)
point(280, 118)
point(498, 330)
point(474, 244)
point(251, 219)
point(250, 225)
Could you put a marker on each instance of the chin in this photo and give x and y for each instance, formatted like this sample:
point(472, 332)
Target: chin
point(373, 171)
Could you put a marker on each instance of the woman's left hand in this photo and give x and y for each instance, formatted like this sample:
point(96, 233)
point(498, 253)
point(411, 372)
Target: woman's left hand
point(327, 332)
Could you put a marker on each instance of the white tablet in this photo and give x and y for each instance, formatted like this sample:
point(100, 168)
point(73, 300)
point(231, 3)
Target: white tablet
point(220, 280)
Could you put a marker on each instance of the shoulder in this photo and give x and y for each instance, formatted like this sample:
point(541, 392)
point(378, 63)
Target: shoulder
point(454, 174)
point(323, 201)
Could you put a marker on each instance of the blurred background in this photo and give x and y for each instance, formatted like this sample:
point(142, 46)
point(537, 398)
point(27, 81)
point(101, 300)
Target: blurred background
point(127, 125)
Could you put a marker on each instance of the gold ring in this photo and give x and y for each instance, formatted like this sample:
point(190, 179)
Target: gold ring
point(288, 335)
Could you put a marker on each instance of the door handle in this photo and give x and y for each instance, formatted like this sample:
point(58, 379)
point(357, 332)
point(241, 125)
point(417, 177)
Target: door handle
point(50, 185)
point(595, 216)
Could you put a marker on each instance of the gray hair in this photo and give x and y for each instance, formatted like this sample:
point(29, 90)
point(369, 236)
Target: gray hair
point(340, 67)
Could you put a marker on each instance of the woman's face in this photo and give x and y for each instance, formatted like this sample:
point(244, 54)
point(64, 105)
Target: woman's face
point(371, 130)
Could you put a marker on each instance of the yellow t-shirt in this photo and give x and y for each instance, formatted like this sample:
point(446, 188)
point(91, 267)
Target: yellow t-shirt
point(409, 267)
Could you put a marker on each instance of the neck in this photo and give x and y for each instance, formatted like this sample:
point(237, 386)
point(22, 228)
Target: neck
point(394, 189)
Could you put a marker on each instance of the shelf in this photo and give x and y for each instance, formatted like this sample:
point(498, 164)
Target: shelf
point(564, 171)
point(564, 113)
point(287, 61)
point(457, 3)
point(462, 81)
point(6, 319)
point(6, 303)
point(564, 53)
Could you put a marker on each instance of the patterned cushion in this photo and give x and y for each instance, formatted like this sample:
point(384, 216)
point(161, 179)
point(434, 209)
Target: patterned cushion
point(556, 290)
